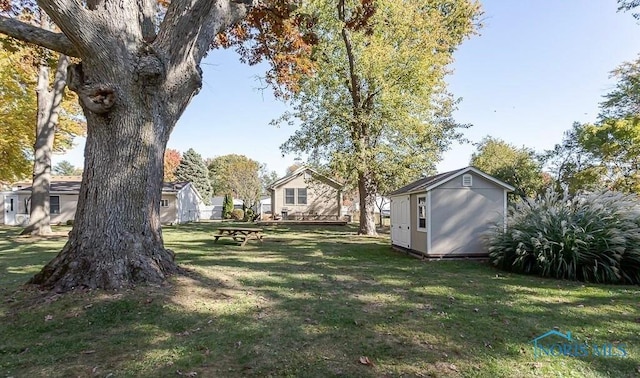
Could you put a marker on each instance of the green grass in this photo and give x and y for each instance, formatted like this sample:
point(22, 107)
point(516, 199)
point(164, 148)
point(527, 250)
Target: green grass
point(308, 302)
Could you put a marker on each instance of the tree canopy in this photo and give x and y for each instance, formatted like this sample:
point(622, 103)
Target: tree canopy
point(65, 168)
point(376, 104)
point(171, 161)
point(18, 109)
point(518, 167)
point(236, 175)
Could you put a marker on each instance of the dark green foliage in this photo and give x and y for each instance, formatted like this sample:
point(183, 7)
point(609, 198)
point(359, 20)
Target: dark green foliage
point(227, 206)
point(237, 214)
point(249, 215)
point(591, 237)
point(192, 169)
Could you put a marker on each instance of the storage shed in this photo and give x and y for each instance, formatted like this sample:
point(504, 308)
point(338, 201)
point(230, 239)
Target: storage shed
point(446, 214)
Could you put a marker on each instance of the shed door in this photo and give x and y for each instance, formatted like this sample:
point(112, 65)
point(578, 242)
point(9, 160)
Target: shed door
point(10, 210)
point(400, 222)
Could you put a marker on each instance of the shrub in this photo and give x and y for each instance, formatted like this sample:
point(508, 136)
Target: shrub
point(592, 237)
point(249, 215)
point(227, 206)
point(237, 214)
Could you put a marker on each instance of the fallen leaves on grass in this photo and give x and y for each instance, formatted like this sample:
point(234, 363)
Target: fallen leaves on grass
point(48, 318)
point(189, 374)
point(364, 360)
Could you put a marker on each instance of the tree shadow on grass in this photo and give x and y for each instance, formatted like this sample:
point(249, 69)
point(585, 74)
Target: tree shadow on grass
point(299, 305)
point(482, 311)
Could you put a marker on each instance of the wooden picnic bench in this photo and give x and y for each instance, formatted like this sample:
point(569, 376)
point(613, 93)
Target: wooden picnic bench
point(239, 233)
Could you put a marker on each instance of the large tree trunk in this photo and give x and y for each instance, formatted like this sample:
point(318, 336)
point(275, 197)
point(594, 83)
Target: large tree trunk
point(367, 193)
point(132, 94)
point(135, 81)
point(49, 102)
point(116, 238)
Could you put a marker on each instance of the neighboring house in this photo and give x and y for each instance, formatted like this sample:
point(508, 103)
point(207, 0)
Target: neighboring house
point(445, 215)
point(305, 194)
point(264, 207)
point(216, 207)
point(180, 203)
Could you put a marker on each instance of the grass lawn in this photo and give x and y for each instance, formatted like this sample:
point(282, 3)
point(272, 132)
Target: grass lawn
point(308, 302)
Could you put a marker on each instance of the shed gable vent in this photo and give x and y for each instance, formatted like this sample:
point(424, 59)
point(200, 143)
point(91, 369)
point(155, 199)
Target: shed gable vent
point(467, 180)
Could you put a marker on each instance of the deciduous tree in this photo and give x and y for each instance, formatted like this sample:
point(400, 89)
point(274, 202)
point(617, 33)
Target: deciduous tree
point(171, 161)
point(56, 122)
point(571, 167)
point(267, 178)
point(615, 145)
point(376, 101)
point(624, 100)
point(237, 175)
point(518, 167)
point(134, 81)
point(17, 112)
point(65, 168)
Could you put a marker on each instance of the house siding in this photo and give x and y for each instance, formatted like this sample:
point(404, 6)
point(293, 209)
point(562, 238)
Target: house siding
point(188, 204)
point(418, 238)
point(322, 199)
point(460, 215)
point(68, 205)
point(69, 202)
point(168, 214)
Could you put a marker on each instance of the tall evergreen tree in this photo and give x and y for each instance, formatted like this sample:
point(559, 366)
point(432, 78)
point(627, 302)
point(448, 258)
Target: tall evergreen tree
point(193, 169)
point(227, 206)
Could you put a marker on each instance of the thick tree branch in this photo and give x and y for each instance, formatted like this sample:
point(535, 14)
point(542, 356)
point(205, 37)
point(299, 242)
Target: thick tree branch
point(33, 34)
point(147, 15)
point(193, 24)
point(74, 20)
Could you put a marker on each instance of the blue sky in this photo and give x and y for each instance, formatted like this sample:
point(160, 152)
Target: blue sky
point(536, 67)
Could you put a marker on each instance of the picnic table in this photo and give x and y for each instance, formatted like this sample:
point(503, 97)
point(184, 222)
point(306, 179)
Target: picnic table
point(239, 233)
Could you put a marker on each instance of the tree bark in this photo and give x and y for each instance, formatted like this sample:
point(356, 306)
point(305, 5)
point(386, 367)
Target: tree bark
point(133, 86)
point(49, 102)
point(367, 194)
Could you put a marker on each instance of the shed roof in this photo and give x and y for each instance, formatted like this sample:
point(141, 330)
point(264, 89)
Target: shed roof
point(430, 182)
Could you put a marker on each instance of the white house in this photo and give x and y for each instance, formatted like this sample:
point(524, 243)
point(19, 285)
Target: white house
point(180, 203)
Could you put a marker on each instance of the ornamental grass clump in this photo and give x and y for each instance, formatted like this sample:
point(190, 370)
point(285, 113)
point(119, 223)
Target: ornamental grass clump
point(593, 237)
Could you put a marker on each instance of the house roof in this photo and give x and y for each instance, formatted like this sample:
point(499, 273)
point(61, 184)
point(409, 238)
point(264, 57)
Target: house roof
point(430, 182)
point(283, 180)
point(73, 187)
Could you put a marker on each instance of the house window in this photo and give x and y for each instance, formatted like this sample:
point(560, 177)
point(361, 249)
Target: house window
point(164, 203)
point(54, 205)
point(289, 196)
point(302, 196)
point(422, 213)
point(467, 180)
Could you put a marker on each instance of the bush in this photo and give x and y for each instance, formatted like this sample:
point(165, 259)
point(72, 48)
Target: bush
point(249, 215)
point(592, 237)
point(227, 206)
point(237, 214)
